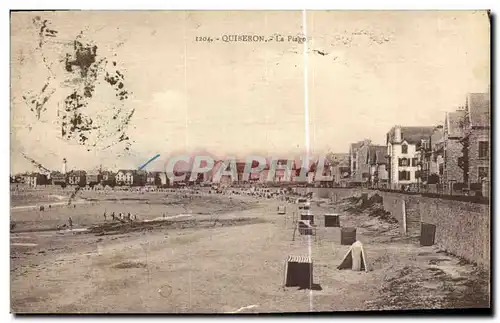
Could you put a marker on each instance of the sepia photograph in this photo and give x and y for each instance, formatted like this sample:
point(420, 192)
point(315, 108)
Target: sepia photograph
point(250, 161)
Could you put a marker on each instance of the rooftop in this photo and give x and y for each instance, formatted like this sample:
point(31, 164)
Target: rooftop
point(412, 135)
point(357, 145)
point(377, 154)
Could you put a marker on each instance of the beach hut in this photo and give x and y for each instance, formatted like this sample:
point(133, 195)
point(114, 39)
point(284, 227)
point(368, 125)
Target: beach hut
point(355, 258)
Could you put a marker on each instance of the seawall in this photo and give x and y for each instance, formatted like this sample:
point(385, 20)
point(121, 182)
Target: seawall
point(462, 228)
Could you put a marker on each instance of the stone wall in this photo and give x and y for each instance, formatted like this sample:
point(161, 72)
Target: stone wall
point(335, 194)
point(338, 194)
point(462, 228)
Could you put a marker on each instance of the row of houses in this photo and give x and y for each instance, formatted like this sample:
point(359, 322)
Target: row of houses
point(287, 171)
point(84, 178)
point(455, 154)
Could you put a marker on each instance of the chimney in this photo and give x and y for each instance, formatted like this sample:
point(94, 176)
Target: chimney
point(64, 166)
point(397, 134)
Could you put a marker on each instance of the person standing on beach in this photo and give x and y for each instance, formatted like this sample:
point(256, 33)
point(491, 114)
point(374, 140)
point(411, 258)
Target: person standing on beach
point(113, 216)
point(70, 222)
point(104, 216)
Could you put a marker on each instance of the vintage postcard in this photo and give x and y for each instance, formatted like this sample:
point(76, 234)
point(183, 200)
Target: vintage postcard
point(249, 161)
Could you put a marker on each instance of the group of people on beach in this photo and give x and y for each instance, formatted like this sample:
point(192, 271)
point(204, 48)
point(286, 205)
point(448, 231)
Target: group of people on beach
point(121, 217)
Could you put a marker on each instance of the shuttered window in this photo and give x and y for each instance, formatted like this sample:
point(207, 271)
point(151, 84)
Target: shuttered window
point(404, 175)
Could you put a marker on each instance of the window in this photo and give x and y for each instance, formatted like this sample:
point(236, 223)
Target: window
point(404, 176)
point(404, 162)
point(483, 149)
point(483, 173)
point(414, 162)
point(404, 149)
point(425, 144)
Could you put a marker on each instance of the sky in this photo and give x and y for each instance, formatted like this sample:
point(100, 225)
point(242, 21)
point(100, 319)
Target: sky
point(363, 72)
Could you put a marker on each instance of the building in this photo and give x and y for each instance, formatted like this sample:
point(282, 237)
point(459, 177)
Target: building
point(131, 177)
point(362, 173)
point(107, 178)
point(215, 175)
point(477, 138)
point(124, 177)
point(296, 175)
point(341, 174)
point(210, 176)
point(16, 179)
point(264, 175)
point(77, 177)
point(335, 158)
point(179, 178)
point(187, 177)
point(353, 158)
point(283, 170)
point(35, 179)
point(197, 180)
point(371, 164)
point(164, 181)
point(403, 150)
point(140, 177)
point(325, 179)
point(153, 179)
point(58, 178)
point(240, 170)
point(93, 178)
point(254, 177)
point(219, 176)
point(378, 172)
point(453, 134)
point(340, 168)
point(432, 157)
